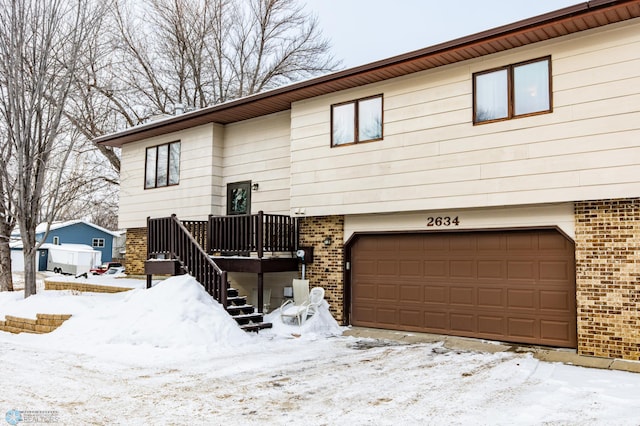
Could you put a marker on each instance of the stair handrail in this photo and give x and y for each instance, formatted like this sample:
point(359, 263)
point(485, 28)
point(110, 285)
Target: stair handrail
point(179, 244)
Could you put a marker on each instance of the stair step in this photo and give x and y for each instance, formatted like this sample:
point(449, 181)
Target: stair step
point(247, 318)
point(242, 309)
point(232, 292)
point(236, 300)
point(256, 326)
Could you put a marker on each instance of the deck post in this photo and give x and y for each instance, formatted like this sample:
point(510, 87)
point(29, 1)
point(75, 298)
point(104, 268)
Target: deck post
point(260, 235)
point(260, 292)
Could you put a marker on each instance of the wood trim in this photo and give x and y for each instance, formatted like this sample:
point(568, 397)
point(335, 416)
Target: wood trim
point(256, 265)
point(146, 157)
point(511, 90)
point(356, 120)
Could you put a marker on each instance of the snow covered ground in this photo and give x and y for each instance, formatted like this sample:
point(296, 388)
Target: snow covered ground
point(172, 356)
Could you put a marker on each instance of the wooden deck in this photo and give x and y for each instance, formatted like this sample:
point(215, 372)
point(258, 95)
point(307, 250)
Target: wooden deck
point(208, 250)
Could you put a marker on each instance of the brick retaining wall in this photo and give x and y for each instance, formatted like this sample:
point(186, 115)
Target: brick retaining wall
point(44, 323)
point(95, 288)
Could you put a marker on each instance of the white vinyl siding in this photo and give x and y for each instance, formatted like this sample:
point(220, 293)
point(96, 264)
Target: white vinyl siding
point(432, 157)
point(193, 198)
point(259, 150)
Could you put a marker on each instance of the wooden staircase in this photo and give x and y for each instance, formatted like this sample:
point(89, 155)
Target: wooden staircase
point(182, 253)
point(244, 314)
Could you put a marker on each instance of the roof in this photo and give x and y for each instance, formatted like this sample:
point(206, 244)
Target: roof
point(42, 228)
point(63, 247)
point(572, 19)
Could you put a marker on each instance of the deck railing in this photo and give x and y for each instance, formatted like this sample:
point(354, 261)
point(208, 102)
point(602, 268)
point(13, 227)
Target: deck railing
point(169, 238)
point(260, 233)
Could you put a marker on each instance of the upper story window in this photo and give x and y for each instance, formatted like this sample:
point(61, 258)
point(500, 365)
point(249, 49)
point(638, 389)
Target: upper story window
point(97, 242)
point(513, 91)
point(162, 165)
point(356, 121)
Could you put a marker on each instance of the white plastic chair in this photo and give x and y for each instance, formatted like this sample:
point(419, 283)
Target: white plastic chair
point(304, 310)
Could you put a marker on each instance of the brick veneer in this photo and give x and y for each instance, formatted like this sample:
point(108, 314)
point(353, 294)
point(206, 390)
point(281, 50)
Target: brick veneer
point(136, 251)
point(326, 269)
point(608, 277)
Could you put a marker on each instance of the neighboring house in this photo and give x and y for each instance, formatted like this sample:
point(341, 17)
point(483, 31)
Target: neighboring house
point(486, 187)
point(78, 232)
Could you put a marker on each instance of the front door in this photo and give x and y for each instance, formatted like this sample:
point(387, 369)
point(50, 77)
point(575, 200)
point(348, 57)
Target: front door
point(239, 198)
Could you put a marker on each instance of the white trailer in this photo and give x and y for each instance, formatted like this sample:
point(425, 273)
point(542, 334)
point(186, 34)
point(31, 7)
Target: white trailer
point(71, 259)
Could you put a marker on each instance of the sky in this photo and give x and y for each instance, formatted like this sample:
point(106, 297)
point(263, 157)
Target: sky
point(363, 31)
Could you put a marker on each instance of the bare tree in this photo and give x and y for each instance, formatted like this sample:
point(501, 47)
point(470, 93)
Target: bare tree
point(40, 43)
point(195, 53)
point(7, 221)
point(150, 56)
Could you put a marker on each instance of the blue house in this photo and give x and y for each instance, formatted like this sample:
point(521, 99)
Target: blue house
point(78, 232)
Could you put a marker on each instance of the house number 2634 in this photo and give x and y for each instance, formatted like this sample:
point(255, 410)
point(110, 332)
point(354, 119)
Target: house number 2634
point(443, 221)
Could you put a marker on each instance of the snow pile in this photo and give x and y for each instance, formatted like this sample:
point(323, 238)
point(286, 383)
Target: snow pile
point(50, 302)
point(320, 325)
point(176, 313)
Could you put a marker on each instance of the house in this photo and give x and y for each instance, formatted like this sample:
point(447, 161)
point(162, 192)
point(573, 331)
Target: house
point(77, 232)
point(486, 187)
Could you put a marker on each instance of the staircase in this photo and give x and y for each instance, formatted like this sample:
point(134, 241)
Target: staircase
point(170, 239)
point(244, 314)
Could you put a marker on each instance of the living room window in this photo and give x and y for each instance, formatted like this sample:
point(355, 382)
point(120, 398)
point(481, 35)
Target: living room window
point(356, 121)
point(513, 91)
point(162, 165)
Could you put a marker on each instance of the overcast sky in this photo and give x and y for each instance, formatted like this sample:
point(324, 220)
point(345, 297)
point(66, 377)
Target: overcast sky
point(363, 31)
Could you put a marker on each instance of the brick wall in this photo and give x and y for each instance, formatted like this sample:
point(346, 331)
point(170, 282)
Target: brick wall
point(136, 251)
point(608, 278)
point(326, 269)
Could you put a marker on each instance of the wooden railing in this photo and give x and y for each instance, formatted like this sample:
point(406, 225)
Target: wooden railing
point(260, 233)
point(198, 230)
point(169, 238)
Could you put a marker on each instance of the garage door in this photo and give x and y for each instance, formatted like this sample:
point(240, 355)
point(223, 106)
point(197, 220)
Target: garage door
point(516, 286)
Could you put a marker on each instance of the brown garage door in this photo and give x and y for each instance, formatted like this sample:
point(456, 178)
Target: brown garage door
point(516, 286)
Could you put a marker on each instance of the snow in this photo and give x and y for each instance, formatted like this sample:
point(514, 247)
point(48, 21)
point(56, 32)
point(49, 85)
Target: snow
point(172, 355)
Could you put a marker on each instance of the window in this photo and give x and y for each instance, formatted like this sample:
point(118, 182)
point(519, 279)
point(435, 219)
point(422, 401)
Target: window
point(513, 91)
point(162, 165)
point(356, 121)
point(97, 242)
